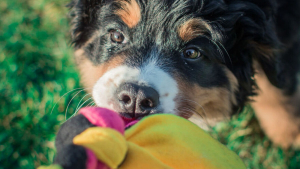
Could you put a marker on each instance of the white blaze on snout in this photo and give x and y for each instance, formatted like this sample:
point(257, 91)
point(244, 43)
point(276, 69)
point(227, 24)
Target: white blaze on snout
point(149, 74)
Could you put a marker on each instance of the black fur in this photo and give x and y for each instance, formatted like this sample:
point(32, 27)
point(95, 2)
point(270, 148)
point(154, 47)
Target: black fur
point(240, 27)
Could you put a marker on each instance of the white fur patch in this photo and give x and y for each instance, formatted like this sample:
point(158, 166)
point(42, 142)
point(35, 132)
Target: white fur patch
point(148, 74)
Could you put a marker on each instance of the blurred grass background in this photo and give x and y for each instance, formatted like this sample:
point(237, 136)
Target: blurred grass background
point(37, 69)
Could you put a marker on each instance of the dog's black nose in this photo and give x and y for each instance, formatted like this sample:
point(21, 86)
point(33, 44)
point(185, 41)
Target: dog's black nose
point(136, 100)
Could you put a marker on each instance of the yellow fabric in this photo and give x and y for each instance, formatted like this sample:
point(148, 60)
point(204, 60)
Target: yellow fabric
point(159, 142)
point(181, 144)
point(139, 158)
point(108, 144)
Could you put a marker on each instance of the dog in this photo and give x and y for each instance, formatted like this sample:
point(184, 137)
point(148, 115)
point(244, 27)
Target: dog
point(199, 59)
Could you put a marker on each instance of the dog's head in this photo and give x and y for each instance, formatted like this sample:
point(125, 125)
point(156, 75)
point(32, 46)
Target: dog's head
point(185, 57)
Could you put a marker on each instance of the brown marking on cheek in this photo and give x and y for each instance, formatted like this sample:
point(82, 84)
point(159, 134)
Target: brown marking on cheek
point(193, 28)
point(91, 73)
point(212, 104)
point(216, 102)
point(129, 12)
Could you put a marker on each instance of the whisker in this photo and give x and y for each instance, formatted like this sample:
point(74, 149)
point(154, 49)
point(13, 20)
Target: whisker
point(80, 101)
point(218, 45)
point(219, 49)
point(204, 120)
point(70, 103)
point(81, 106)
point(202, 115)
point(62, 97)
point(223, 47)
point(202, 5)
point(93, 104)
point(90, 104)
point(189, 110)
point(198, 104)
point(225, 117)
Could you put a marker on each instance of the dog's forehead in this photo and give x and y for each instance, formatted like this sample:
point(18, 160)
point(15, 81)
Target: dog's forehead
point(161, 21)
point(158, 13)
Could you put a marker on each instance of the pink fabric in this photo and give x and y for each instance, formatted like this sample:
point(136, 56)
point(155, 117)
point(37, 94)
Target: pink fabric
point(129, 121)
point(103, 118)
point(101, 165)
point(92, 161)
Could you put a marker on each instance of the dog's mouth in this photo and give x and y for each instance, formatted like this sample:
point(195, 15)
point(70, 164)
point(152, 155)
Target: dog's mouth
point(129, 121)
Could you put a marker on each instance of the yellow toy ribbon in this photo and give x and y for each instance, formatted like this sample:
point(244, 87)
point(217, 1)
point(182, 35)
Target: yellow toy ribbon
point(159, 142)
point(108, 144)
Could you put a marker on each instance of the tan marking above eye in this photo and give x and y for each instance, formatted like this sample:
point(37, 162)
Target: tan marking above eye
point(193, 28)
point(129, 12)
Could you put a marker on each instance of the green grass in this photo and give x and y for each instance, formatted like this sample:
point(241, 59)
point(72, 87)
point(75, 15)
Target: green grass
point(36, 69)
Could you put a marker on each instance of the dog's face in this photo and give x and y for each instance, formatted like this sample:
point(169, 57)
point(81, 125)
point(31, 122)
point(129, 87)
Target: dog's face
point(141, 57)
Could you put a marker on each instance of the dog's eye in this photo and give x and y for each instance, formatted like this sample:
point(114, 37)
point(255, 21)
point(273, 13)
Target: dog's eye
point(116, 36)
point(191, 53)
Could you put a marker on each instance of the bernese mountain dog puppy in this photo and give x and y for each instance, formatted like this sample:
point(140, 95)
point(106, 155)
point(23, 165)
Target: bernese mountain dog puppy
point(199, 59)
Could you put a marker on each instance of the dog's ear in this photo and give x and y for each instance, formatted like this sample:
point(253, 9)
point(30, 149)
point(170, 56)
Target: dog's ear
point(84, 14)
point(248, 34)
point(251, 36)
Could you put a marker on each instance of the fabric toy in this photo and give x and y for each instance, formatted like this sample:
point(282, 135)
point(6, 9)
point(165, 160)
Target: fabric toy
point(97, 139)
